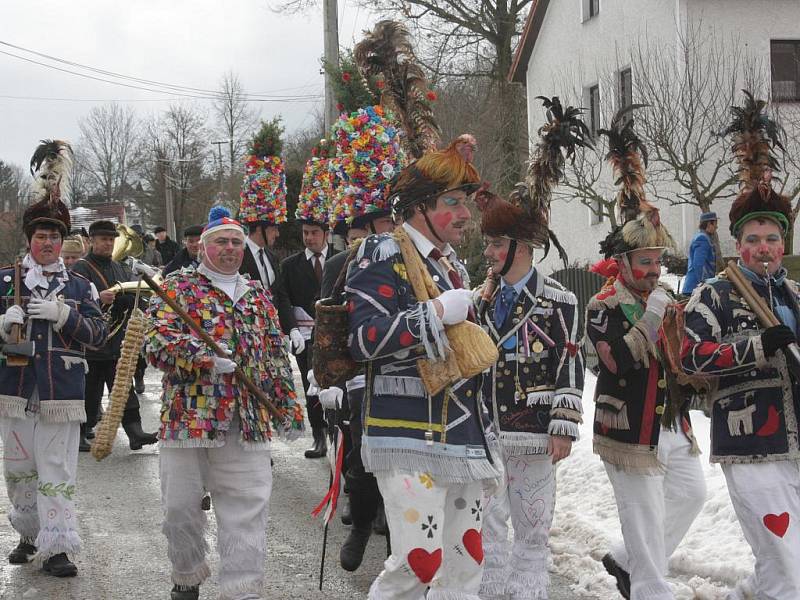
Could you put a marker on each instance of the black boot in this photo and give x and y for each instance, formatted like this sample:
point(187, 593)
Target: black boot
point(185, 592)
point(60, 566)
point(364, 502)
point(83, 445)
point(137, 437)
point(621, 575)
point(23, 553)
point(205, 503)
point(379, 526)
point(346, 516)
point(138, 383)
point(320, 448)
point(89, 434)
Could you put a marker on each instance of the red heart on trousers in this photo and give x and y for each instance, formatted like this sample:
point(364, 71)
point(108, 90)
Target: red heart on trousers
point(777, 524)
point(474, 544)
point(424, 563)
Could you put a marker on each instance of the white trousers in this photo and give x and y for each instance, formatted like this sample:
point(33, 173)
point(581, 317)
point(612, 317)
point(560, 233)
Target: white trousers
point(240, 483)
point(766, 498)
point(518, 570)
point(655, 512)
point(435, 530)
point(40, 460)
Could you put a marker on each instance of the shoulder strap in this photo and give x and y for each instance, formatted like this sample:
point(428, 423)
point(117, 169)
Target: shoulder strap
point(97, 272)
point(338, 287)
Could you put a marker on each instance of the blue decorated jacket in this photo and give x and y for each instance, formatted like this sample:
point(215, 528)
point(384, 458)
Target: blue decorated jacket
point(389, 331)
point(534, 390)
point(754, 402)
point(58, 367)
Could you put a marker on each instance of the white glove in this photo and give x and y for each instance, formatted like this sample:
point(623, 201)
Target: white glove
point(455, 305)
point(13, 316)
point(313, 386)
point(138, 267)
point(657, 301)
point(48, 310)
point(298, 342)
point(331, 398)
point(223, 365)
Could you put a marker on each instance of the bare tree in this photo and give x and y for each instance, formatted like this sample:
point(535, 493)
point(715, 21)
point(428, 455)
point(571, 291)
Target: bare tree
point(177, 155)
point(235, 119)
point(111, 149)
point(14, 187)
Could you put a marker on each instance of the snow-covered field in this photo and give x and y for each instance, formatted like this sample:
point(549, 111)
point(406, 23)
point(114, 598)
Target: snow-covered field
point(712, 558)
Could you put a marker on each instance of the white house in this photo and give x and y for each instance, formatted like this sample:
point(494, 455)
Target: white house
point(587, 44)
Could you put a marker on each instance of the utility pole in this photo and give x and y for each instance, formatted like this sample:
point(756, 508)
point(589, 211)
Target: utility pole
point(219, 173)
point(331, 38)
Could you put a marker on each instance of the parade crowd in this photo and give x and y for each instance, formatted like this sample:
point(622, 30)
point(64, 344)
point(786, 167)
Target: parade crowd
point(449, 409)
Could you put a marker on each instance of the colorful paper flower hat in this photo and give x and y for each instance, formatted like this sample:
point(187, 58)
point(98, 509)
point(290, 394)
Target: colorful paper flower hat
point(316, 191)
point(263, 195)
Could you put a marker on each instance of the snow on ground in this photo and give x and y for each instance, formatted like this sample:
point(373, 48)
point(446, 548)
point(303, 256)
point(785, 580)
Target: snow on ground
point(712, 558)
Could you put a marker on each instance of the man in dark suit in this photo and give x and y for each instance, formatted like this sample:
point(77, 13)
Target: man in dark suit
point(167, 247)
point(300, 277)
point(261, 263)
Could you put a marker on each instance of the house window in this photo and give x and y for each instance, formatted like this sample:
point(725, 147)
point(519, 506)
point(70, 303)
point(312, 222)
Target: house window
point(597, 214)
point(594, 109)
point(785, 63)
point(625, 88)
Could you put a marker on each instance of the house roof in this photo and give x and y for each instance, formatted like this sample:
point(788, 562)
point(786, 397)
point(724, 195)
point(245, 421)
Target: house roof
point(533, 24)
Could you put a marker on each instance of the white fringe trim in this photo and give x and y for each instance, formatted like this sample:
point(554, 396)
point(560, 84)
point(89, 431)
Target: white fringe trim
point(197, 577)
point(535, 398)
point(551, 293)
point(559, 427)
point(517, 443)
point(398, 386)
point(611, 419)
point(62, 411)
point(570, 401)
point(528, 585)
point(24, 523)
point(450, 469)
point(50, 543)
point(440, 594)
point(12, 407)
point(631, 458)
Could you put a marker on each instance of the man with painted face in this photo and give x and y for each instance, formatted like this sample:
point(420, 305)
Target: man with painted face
point(533, 392)
point(41, 402)
point(641, 422)
point(214, 434)
point(755, 403)
point(429, 453)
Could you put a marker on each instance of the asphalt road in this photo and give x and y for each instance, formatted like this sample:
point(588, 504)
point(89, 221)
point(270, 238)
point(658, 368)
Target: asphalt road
point(124, 553)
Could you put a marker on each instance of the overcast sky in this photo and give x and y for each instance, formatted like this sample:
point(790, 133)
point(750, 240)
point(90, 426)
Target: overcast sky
point(182, 42)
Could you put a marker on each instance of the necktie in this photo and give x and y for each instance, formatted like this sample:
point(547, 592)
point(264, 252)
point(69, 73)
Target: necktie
point(264, 266)
point(318, 266)
point(502, 308)
point(452, 274)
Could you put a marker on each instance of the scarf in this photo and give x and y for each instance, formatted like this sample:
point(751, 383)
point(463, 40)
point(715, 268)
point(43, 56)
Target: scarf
point(37, 275)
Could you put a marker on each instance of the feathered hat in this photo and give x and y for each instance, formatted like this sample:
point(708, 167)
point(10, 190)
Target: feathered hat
point(755, 137)
point(525, 216)
point(263, 195)
point(51, 167)
point(640, 224)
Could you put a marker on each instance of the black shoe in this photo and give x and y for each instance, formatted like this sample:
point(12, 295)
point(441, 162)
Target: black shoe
point(23, 553)
point(185, 592)
point(138, 383)
point(205, 504)
point(345, 516)
point(89, 434)
point(137, 437)
point(352, 552)
point(83, 445)
point(621, 575)
point(60, 566)
point(379, 525)
point(320, 448)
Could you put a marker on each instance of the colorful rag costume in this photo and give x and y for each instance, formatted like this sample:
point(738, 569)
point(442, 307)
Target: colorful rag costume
point(41, 404)
point(214, 434)
point(641, 422)
point(534, 390)
point(755, 404)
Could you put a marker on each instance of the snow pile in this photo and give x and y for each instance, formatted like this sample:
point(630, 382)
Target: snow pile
point(712, 558)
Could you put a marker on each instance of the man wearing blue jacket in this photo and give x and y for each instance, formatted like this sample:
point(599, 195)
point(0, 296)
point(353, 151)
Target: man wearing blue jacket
point(41, 403)
point(702, 257)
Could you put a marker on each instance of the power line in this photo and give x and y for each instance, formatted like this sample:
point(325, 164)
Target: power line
point(9, 97)
point(144, 84)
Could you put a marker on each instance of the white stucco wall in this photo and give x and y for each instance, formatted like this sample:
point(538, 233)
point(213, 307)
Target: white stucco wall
point(571, 55)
